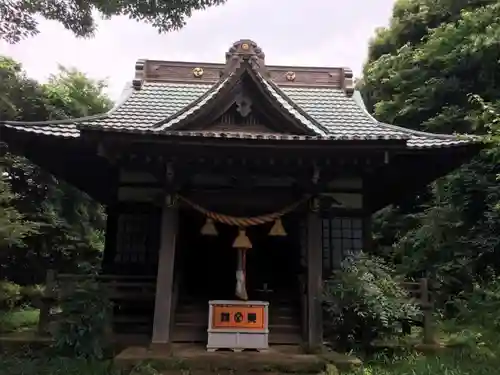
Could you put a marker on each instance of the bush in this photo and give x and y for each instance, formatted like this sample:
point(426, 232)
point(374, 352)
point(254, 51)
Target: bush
point(16, 320)
point(32, 294)
point(84, 322)
point(10, 295)
point(364, 301)
point(480, 306)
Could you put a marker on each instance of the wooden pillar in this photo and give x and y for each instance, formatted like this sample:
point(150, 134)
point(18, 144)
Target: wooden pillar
point(165, 277)
point(47, 301)
point(314, 281)
point(110, 240)
point(112, 214)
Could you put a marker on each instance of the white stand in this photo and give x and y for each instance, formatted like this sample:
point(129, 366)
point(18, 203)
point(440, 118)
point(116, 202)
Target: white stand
point(237, 339)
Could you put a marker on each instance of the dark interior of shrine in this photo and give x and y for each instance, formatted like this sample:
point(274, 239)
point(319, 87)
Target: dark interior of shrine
point(206, 265)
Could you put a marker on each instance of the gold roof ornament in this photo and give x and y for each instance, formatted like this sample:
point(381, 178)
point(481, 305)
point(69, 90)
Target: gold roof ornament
point(290, 76)
point(198, 72)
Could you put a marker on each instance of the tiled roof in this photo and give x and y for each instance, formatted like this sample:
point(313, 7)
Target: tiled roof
point(158, 105)
point(270, 90)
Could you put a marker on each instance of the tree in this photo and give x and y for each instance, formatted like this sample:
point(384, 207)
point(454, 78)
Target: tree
point(18, 18)
point(425, 84)
point(70, 224)
point(13, 227)
point(421, 74)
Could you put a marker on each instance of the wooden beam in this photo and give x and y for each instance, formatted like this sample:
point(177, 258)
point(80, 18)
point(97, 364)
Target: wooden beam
point(165, 278)
point(314, 281)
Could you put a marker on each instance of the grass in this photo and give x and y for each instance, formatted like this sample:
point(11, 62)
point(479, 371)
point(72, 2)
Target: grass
point(471, 350)
point(54, 366)
point(18, 320)
point(456, 362)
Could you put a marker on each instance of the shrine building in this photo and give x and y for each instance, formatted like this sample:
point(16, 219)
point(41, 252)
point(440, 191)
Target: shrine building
point(235, 181)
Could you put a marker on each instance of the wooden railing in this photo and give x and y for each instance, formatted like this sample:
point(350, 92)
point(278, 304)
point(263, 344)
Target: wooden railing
point(419, 293)
point(121, 288)
point(117, 287)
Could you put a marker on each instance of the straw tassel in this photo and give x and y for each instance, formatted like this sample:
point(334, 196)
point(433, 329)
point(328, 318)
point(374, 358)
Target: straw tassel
point(278, 229)
point(209, 228)
point(242, 241)
point(241, 288)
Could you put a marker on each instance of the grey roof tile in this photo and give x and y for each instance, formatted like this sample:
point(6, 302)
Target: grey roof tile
point(187, 110)
point(293, 108)
point(328, 111)
point(338, 113)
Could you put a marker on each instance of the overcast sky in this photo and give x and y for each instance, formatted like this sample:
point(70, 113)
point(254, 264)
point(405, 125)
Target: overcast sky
point(291, 32)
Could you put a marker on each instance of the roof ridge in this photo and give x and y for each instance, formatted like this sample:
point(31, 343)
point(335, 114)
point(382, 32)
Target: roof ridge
point(360, 102)
point(126, 93)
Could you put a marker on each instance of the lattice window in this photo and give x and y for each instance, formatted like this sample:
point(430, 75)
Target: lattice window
point(134, 238)
point(341, 236)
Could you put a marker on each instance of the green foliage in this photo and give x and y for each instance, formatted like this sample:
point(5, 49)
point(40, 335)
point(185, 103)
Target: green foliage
point(10, 295)
point(472, 338)
point(40, 364)
point(480, 306)
point(18, 18)
point(456, 362)
point(436, 68)
point(13, 226)
point(424, 82)
point(14, 295)
point(365, 301)
point(84, 321)
point(71, 94)
point(69, 224)
point(19, 319)
point(50, 365)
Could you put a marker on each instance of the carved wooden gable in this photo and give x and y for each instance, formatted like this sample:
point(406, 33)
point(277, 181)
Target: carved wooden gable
point(244, 100)
point(247, 111)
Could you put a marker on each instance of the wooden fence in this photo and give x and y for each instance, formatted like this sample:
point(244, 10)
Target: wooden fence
point(121, 288)
point(419, 293)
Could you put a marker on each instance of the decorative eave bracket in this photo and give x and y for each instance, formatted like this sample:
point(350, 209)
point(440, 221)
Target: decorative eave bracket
point(139, 74)
point(348, 81)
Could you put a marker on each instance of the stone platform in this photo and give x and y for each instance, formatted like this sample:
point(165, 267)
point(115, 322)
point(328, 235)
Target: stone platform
point(278, 359)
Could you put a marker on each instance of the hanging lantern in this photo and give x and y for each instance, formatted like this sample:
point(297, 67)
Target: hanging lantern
point(209, 228)
point(242, 241)
point(277, 229)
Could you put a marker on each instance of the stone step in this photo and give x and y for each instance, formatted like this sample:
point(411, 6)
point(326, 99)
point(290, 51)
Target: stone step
point(194, 359)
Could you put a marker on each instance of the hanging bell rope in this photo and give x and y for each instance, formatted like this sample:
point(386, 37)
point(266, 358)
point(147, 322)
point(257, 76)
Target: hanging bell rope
point(244, 222)
point(242, 243)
